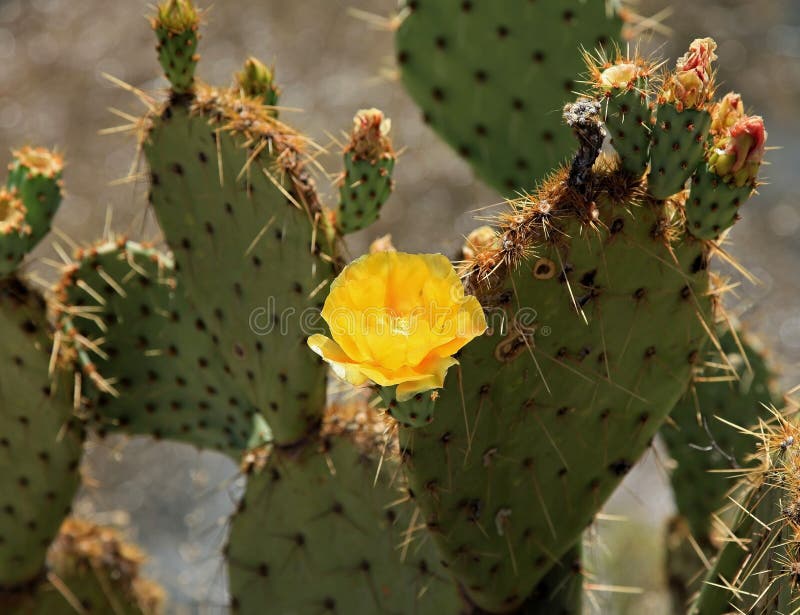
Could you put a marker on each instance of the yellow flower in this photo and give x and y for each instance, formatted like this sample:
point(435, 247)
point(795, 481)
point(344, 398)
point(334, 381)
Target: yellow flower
point(397, 319)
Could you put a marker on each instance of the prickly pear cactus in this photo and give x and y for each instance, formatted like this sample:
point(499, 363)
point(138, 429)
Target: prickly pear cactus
point(476, 71)
point(40, 441)
point(367, 179)
point(150, 365)
point(176, 24)
point(28, 203)
point(349, 545)
point(229, 189)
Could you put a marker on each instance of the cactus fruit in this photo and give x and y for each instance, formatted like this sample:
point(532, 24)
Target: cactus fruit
point(40, 445)
point(721, 186)
point(151, 368)
point(475, 70)
point(92, 571)
point(350, 544)
point(682, 120)
point(176, 24)
point(258, 81)
point(367, 179)
point(28, 203)
point(624, 86)
point(230, 192)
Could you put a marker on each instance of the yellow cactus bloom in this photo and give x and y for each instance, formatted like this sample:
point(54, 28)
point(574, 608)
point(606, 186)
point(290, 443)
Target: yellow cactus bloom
point(397, 319)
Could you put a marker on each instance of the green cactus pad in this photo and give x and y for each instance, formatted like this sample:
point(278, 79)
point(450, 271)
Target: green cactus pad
point(677, 148)
point(713, 205)
point(231, 195)
point(700, 443)
point(151, 366)
point(476, 69)
point(28, 203)
point(40, 444)
point(92, 571)
point(176, 25)
point(258, 81)
point(367, 180)
point(414, 412)
point(560, 592)
point(627, 120)
point(546, 414)
point(347, 545)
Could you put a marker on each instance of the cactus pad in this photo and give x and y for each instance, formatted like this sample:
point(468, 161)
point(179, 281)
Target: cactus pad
point(176, 24)
point(676, 149)
point(151, 366)
point(231, 194)
point(258, 81)
point(546, 415)
point(28, 203)
point(476, 70)
point(347, 545)
point(367, 180)
point(40, 445)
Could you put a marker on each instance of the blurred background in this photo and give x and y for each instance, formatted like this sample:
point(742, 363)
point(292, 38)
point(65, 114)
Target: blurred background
point(331, 62)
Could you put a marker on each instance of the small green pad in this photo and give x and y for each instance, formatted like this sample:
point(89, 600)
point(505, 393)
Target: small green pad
point(176, 25)
point(257, 80)
point(627, 118)
point(28, 203)
point(414, 412)
point(152, 367)
point(319, 532)
point(478, 70)
point(367, 180)
point(713, 204)
point(677, 148)
point(240, 213)
point(546, 414)
point(40, 442)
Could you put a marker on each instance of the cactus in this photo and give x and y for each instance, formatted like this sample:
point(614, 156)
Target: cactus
point(737, 387)
point(150, 366)
point(475, 69)
point(258, 81)
point(346, 546)
point(28, 203)
point(367, 180)
point(756, 569)
point(682, 120)
point(92, 570)
point(507, 401)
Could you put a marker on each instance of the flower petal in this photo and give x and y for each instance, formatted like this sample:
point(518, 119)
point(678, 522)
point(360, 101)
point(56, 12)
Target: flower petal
point(333, 354)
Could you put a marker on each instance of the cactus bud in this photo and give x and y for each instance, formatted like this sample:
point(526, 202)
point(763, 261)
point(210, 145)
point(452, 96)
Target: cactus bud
point(726, 113)
point(692, 83)
point(738, 155)
point(619, 75)
point(257, 81)
point(176, 25)
point(370, 136)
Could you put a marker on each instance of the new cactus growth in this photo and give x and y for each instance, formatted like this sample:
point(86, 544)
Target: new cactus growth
point(368, 164)
point(728, 178)
point(258, 81)
point(28, 203)
point(682, 120)
point(625, 84)
point(176, 24)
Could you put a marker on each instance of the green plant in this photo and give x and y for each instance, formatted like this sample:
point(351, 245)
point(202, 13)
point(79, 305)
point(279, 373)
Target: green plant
point(470, 492)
